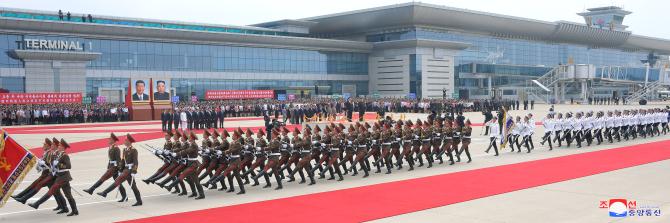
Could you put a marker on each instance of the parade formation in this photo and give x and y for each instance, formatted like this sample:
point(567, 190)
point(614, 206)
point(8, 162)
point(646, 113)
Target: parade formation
point(227, 160)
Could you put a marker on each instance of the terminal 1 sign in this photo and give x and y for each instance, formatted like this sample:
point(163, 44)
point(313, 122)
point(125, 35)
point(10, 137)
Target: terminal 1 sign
point(43, 44)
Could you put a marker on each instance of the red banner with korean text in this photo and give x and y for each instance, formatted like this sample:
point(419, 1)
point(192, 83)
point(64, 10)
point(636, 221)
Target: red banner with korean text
point(238, 94)
point(40, 98)
point(15, 163)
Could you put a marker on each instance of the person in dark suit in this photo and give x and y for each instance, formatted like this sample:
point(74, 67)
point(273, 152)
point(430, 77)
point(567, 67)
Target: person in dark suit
point(361, 111)
point(350, 109)
point(161, 94)
point(164, 120)
point(139, 91)
point(189, 120)
point(175, 120)
point(169, 121)
point(221, 114)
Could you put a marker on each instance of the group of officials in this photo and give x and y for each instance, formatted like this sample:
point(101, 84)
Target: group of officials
point(222, 158)
point(192, 118)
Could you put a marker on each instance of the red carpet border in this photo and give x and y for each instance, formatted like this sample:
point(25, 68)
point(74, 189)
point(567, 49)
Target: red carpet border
point(394, 198)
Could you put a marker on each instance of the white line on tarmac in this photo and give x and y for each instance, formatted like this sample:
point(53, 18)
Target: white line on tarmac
point(79, 205)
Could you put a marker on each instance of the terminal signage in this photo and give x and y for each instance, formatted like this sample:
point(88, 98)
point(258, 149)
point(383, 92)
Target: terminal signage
point(43, 44)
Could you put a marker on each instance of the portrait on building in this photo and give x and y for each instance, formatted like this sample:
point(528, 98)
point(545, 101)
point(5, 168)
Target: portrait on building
point(162, 90)
point(140, 87)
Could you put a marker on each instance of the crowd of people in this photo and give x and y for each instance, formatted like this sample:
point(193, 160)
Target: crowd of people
point(62, 114)
point(227, 160)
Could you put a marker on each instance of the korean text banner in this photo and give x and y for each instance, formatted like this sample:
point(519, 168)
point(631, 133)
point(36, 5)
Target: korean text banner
point(40, 98)
point(238, 94)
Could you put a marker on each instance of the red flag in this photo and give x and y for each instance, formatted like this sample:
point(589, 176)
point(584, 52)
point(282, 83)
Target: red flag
point(15, 162)
point(129, 97)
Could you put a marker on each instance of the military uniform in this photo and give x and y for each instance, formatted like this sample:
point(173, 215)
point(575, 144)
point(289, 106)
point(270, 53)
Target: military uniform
point(60, 168)
point(131, 163)
point(114, 166)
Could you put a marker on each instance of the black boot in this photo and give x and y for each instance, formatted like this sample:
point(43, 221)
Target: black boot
point(106, 191)
point(201, 192)
point(27, 196)
point(279, 185)
point(39, 202)
point(239, 182)
point(93, 187)
point(73, 205)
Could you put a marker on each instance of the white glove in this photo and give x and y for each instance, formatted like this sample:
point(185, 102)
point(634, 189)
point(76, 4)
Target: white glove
point(285, 146)
point(55, 162)
point(350, 142)
point(41, 163)
point(258, 148)
point(130, 166)
point(174, 154)
point(315, 142)
point(416, 137)
point(291, 145)
point(246, 146)
point(156, 152)
point(219, 153)
point(397, 139)
point(438, 134)
point(374, 141)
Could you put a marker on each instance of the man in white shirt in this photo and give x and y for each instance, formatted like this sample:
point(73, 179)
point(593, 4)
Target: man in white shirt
point(531, 127)
point(183, 121)
point(493, 134)
point(548, 123)
point(558, 128)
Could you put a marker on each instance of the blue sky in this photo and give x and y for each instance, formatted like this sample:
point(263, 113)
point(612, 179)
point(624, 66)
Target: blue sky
point(647, 18)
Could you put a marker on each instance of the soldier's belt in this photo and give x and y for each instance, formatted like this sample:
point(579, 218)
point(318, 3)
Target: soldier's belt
point(425, 140)
point(275, 154)
point(362, 146)
point(305, 151)
point(112, 162)
point(335, 149)
point(466, 137)
point(235, 156)
point(386, 144)
point(192, 159)
point(63, 171)
point(407, 141)
point(436, 138)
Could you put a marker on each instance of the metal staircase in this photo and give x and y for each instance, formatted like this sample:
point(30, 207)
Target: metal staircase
point(642, 92)
point(540, 88)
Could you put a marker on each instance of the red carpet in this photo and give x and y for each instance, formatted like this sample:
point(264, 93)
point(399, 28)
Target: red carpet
point(395, 198)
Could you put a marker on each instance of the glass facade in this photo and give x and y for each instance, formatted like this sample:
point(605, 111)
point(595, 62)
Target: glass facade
point(185, 86)
point(161, 25)
point(13, 84)
point(494, 50)
point(161, 56)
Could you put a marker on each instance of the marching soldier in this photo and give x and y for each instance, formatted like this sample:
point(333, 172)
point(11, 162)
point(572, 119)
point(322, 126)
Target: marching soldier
point(61, 170)
point(259, 149)
point(234, 167)
point(456, 139)
point(304, 145)
point(294, 158)
point(494, 133)
point(407, 137)
point(131, 164)
point(417, 133)
point(447, 134)
point(467, 133)
point(46, 178)
point(272, 149)
point(548, 123)
point(114, 166)
point(190, 172)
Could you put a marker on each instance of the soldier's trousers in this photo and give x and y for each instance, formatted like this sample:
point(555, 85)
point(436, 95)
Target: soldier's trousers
point(547, 138)
point(110, 173)
point(494, 144)
point(58, 185)
point(127, 176)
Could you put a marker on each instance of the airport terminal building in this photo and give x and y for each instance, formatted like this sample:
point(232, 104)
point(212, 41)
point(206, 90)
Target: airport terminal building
point(405, 50)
